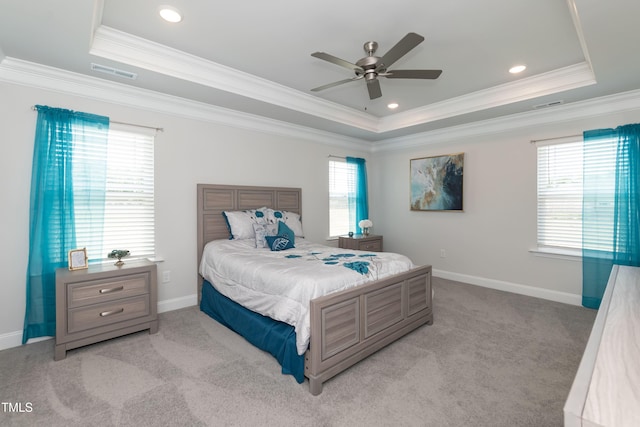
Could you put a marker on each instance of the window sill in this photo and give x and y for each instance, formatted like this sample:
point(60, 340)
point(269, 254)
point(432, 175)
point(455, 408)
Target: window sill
point(558, 253)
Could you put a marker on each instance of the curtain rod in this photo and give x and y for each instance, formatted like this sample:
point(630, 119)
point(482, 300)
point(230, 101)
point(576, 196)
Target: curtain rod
point(533, 141)
point(337, 157)
point(33, 107)
point(137, 125)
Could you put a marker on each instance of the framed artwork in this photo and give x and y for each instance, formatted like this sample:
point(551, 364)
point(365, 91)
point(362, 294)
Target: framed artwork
point(436, 183)
point(78, 259)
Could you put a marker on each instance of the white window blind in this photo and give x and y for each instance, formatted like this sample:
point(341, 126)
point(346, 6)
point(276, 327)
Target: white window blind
point(560, 195)
point(599, 192)
point(129, 214)
point(342, 181)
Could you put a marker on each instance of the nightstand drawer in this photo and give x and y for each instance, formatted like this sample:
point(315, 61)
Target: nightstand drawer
point(99, 291)
point(374, 246)
point(95, 316)
point(359, 242)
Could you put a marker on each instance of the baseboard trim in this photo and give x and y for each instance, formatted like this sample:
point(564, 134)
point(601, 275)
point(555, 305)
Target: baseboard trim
point(177, 303)
point(515, 288)
point(14, 339)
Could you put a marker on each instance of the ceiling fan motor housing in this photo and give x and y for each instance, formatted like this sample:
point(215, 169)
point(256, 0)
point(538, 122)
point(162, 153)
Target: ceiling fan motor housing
point(370, 64)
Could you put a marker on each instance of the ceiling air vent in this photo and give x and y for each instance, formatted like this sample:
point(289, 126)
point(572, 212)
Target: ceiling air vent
point(548, 104)
point(113, 71)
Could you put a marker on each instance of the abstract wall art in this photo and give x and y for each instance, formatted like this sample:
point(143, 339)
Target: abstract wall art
point(436, 183)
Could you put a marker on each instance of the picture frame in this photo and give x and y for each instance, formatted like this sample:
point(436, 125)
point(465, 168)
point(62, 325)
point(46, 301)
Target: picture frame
point(78, 259)
point(437, 183)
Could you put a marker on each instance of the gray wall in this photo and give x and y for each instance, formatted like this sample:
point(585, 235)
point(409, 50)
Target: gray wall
point(186, 153)
point(488, 244)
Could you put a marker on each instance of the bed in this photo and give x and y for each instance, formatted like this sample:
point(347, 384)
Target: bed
point(345, 326)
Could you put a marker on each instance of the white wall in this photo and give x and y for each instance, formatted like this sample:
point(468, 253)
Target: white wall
point(186, 153)
point(488, 244)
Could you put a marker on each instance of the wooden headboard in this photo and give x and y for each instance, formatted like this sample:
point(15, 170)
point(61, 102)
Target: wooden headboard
point(214, 199)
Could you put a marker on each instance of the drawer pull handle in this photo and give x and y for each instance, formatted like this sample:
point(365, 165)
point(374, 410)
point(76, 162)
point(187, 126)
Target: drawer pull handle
point(108, 291)
point(109, 313)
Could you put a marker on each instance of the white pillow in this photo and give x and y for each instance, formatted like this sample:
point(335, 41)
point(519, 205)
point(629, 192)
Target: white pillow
point(292, 220)
point(241, 222)
point(259, 215)
point(262, 231)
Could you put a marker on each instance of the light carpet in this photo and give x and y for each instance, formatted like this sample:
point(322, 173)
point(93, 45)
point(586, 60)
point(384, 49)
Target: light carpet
point(491, 358)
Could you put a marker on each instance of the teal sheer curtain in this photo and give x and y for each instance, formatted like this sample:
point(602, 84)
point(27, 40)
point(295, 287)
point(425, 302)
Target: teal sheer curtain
point(67, 179)
point(611, 209)
point(358, 200)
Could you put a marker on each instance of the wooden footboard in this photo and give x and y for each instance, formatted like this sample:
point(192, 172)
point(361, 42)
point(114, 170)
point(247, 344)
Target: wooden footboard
point(348, 326)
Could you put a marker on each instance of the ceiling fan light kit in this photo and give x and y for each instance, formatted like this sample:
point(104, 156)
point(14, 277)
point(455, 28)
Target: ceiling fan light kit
point(371, 66)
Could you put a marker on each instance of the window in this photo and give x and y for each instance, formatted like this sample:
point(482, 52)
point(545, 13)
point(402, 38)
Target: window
point(342, 181)
point(561, 190)
point(128, 221)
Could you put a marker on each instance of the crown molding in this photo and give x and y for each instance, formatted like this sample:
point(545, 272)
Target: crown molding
point(25, 73)
point(610, 104)
point(577, 24)
point(135, 51)
point(30, 74)
point(571, 77)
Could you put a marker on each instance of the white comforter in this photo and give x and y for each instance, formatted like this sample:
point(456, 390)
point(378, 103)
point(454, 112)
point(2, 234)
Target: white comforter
point(281, 284)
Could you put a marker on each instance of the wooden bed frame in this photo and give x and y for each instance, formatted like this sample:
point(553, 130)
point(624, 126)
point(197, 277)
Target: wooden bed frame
point(346, 326)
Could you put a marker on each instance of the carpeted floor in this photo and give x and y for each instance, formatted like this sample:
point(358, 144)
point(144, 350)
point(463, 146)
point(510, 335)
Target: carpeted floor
point(491, 358)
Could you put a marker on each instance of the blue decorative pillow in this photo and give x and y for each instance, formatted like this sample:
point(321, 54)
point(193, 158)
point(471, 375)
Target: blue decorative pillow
point(278, 243)
point(285, 231)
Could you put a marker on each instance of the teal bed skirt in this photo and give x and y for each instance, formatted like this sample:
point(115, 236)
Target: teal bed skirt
point(277, 338)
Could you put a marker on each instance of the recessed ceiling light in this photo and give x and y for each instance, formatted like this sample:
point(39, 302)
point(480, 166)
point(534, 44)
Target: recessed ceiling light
point(170, 14)
point(392, 106)
point(517, 69)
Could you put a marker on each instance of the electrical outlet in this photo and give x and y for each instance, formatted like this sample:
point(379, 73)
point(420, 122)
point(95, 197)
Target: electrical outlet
point(443, 253)
point(166, 276)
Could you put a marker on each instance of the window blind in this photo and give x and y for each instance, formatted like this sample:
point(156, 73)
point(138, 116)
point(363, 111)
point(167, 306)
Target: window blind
point(129, 213)
point(561, 195)
point(342, 181)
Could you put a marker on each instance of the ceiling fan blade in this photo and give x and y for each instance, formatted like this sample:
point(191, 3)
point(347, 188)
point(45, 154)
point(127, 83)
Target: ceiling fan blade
point(337, 61)
point(401, 48)
point(373, 86)
point(327, 86)
point(412, 74)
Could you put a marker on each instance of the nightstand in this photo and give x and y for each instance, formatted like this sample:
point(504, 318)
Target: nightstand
point(360, 242)
point(103, 302)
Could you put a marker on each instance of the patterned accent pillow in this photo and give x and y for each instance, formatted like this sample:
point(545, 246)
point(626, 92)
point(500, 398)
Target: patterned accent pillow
point(292, 220)
point(262, 231)
point(278, 243)
point(240, 223)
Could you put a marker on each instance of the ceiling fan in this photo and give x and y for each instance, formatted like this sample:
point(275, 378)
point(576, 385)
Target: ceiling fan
point(371, 67)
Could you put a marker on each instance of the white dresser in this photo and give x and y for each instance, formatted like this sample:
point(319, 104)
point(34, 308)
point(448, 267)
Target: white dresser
point(606, 389)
